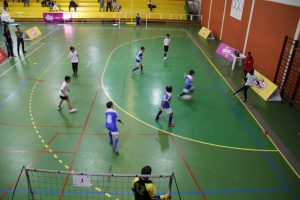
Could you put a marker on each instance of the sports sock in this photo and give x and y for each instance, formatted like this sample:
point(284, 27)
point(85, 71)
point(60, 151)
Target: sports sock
point(158, 114)
point(135, 69)
point(116, 144)
point(110, 138)
point(170, 119)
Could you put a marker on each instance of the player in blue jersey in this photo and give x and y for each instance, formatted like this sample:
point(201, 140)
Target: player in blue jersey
point(137, 21)
point(165, 105)
point(139, 60)
point(111, 125)
point(188, 85)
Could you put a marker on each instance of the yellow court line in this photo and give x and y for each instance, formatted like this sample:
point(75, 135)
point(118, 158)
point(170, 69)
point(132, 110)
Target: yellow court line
point(175, 135)
point(262, 128)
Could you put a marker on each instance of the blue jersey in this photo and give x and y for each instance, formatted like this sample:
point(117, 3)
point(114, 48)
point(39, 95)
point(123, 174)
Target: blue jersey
point(139, 57)
point(111, 120)
point(188, 82)
point(137, 19)
point(166, 100)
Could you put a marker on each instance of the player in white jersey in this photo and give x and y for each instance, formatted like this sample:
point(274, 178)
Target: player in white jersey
point(111, 125)
point(250, 80)
point(139, 61)
point(166, 45)
point(63, 93)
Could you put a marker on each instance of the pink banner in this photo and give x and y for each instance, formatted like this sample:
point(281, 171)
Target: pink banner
point(225, 51)
point(57, 17)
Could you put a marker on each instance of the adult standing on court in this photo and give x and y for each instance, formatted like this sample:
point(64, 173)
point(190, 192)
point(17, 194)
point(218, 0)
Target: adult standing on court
point(74, 58)
point(248, 63)
point(166, 45)
point(8, 42)
point(20, 40)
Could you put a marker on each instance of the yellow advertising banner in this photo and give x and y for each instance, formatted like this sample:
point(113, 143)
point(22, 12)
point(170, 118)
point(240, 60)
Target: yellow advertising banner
point(204, 32)
point(32, 33)
point(266, 89)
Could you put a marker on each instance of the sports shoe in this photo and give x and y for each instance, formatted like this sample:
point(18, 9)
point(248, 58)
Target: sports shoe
point(156, 118)
point(24, 51)
point(59, 108)
point(171, 125)
point(73, 110)
point(165, 58)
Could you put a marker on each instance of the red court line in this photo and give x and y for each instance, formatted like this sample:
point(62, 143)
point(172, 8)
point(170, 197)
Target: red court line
point(123, 134)
point(31, 163)
point(79, 143)
point(188, 167)
point(41, 126)
point(32, 151)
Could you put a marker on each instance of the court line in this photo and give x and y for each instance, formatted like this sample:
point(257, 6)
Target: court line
point(188, 167)
point(22, 59)
point(123, 134)
point(143, 122)
point(31, 46)
point(262, 128)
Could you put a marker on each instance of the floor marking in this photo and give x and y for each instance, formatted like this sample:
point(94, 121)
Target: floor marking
point(262, 128)
point(175, 135)
point(22, 59)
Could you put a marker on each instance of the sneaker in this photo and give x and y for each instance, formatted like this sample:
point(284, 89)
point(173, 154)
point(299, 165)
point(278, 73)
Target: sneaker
point(73, 110)
point(171, 125)
point(24, 51)
point(156, 118)
point(165, 58)
point(59, 108)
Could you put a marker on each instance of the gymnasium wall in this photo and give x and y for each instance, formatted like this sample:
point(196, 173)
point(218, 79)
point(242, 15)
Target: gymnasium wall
point(270, 23)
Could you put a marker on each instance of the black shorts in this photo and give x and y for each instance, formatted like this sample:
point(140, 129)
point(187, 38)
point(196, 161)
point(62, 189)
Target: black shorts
point(64, 97)
point(166, 48)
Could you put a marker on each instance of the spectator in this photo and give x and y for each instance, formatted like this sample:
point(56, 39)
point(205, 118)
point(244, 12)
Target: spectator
point(5, 4)
point(56, 6)
point(116, 6)
point(51, 5)
point(108, 5)
point(73, 4)
point(20, 40)
point(248, 63)
point(8, 42)
point(44, 3)
point(26, 3)
point(150, 5)
point(101, 5)
point(143, 188)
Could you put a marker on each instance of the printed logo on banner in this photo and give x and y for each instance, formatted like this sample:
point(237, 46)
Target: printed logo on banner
point(225, 51)
point(49, 17)
point(204, 32)
point(237, 9)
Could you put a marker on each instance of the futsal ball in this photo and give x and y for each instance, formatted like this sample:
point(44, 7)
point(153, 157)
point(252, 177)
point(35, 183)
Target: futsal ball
point(186, 97)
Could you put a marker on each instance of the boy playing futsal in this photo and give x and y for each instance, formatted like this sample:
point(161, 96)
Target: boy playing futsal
point(111, 125)
point(138, 60)
point(166, 45)
point(74, 58)
point(165, 105)
point(63, 93)
point(137, 20)
point(188, 85)
point(250, 80)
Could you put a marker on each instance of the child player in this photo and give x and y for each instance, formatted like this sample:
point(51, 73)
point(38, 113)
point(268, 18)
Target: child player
point(74, 58)
point(63, 93)
point(111, 125)
point(165, 105)
point(138, 60)
point(137, 21)
point(249, 81)
point(188, 85)
point(166, 45)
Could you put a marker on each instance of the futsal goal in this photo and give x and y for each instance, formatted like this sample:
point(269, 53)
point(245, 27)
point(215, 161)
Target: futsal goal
point(53, 184)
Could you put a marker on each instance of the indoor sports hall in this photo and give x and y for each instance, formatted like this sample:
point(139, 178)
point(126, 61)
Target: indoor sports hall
point(208, 143)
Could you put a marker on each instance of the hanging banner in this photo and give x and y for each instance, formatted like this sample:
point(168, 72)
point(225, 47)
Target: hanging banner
point(57, 17)
point(237, 9)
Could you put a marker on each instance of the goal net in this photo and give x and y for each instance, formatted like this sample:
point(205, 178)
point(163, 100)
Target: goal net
point(51, 184)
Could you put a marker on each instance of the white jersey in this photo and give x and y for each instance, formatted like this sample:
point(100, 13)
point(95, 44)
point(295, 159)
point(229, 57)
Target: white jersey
point(73, 56)
point(250, 79)
point(64, 87)
point(167, 41)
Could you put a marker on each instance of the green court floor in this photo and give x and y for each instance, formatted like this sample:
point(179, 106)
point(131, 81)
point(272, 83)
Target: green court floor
point(217, 149)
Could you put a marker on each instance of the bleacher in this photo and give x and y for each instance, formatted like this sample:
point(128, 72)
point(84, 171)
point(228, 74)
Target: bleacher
point(89, 9)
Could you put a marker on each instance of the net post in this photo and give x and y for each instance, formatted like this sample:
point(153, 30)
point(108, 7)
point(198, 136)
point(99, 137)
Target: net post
point(16, 185)
point(170, 184)
point(29, 184)
point(177, 186)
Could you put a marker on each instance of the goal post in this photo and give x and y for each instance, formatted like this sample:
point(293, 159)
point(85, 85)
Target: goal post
point(54, 184)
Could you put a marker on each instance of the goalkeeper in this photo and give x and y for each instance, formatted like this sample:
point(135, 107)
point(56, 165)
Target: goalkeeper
point(144, 189)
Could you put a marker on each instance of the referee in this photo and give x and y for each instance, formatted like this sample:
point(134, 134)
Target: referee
point(166, 45)
point(20, 40)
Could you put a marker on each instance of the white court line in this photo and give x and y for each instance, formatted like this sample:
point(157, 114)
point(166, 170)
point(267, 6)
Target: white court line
point(31, 46)
point(22, 59)
point(88, 64)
